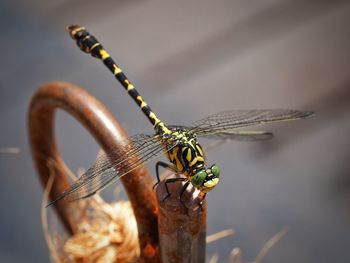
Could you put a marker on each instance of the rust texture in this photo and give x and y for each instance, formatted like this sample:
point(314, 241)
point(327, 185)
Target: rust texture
point(109, 134)
point(182, 231)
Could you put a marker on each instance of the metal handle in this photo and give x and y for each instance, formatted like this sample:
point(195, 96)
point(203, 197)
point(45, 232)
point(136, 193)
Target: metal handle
point(109, 134)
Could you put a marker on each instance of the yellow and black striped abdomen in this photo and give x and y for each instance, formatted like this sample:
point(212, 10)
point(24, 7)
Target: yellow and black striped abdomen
point(89, 44)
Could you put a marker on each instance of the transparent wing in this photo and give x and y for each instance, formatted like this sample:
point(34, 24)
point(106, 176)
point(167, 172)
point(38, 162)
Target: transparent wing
point(224, 123)
point(246, 136)
point(229, 134)
point(108, 168)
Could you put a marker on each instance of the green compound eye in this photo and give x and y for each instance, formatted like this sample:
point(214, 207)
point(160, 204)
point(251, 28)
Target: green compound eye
point(199, 178)
point(215, 170)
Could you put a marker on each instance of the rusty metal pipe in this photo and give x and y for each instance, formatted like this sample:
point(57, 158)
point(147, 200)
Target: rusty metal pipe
point(182, 232)
point(109, 134)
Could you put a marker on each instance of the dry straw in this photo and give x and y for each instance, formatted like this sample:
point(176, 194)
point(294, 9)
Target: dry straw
point(236, 253)
point(105, 233)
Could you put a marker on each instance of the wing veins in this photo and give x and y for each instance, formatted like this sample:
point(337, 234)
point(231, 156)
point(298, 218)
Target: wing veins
point(224, 121)
point(143, 151)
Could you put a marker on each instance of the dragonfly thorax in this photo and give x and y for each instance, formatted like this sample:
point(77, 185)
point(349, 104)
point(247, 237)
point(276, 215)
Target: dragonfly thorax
point(187, 152)
point(188, 159)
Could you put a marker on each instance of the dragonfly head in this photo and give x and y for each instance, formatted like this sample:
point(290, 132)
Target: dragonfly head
point(206, 179)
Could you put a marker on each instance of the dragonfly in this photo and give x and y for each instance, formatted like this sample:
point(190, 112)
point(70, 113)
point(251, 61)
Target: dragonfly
point(179, 143)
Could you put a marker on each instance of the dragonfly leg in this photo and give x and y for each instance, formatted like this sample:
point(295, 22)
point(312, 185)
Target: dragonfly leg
point(164, 165)
point(171, 180)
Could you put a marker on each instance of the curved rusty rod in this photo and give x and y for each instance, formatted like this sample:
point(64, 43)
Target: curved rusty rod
point(182, 230)
point(109, 134)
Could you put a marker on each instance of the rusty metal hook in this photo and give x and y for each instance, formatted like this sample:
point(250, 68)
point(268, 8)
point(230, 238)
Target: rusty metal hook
point(109, 134)
point(182, 234)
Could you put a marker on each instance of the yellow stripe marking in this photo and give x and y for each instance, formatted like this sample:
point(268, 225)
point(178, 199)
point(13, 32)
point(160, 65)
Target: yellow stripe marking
point(189, 155)
point(193, 161)
point(140, 99)
point(104, 54)
point(153, 117)
point(199, 149)
point(95, 45)
point(165, 129)
point(130, 87)
point(196, 159)
point(143, 104)
point(117, 70)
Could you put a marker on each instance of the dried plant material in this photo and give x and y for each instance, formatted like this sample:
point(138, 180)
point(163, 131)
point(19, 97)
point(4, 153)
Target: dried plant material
point(269, 244)
point(108, 236)
point(44, 221)
point(220, 235)
point(10, 150)
point(236, 253)
point(85, 244)
point(107, 254)
point(235, 256)
point(105, 233)
point(214, 258)
point(54, 240)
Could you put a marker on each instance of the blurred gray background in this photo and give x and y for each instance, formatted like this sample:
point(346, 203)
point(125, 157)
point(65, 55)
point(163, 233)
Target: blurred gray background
point(190, 59)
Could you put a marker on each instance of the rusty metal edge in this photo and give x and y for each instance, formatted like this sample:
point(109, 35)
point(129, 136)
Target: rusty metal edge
point(109, 134)
point(182, 230)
